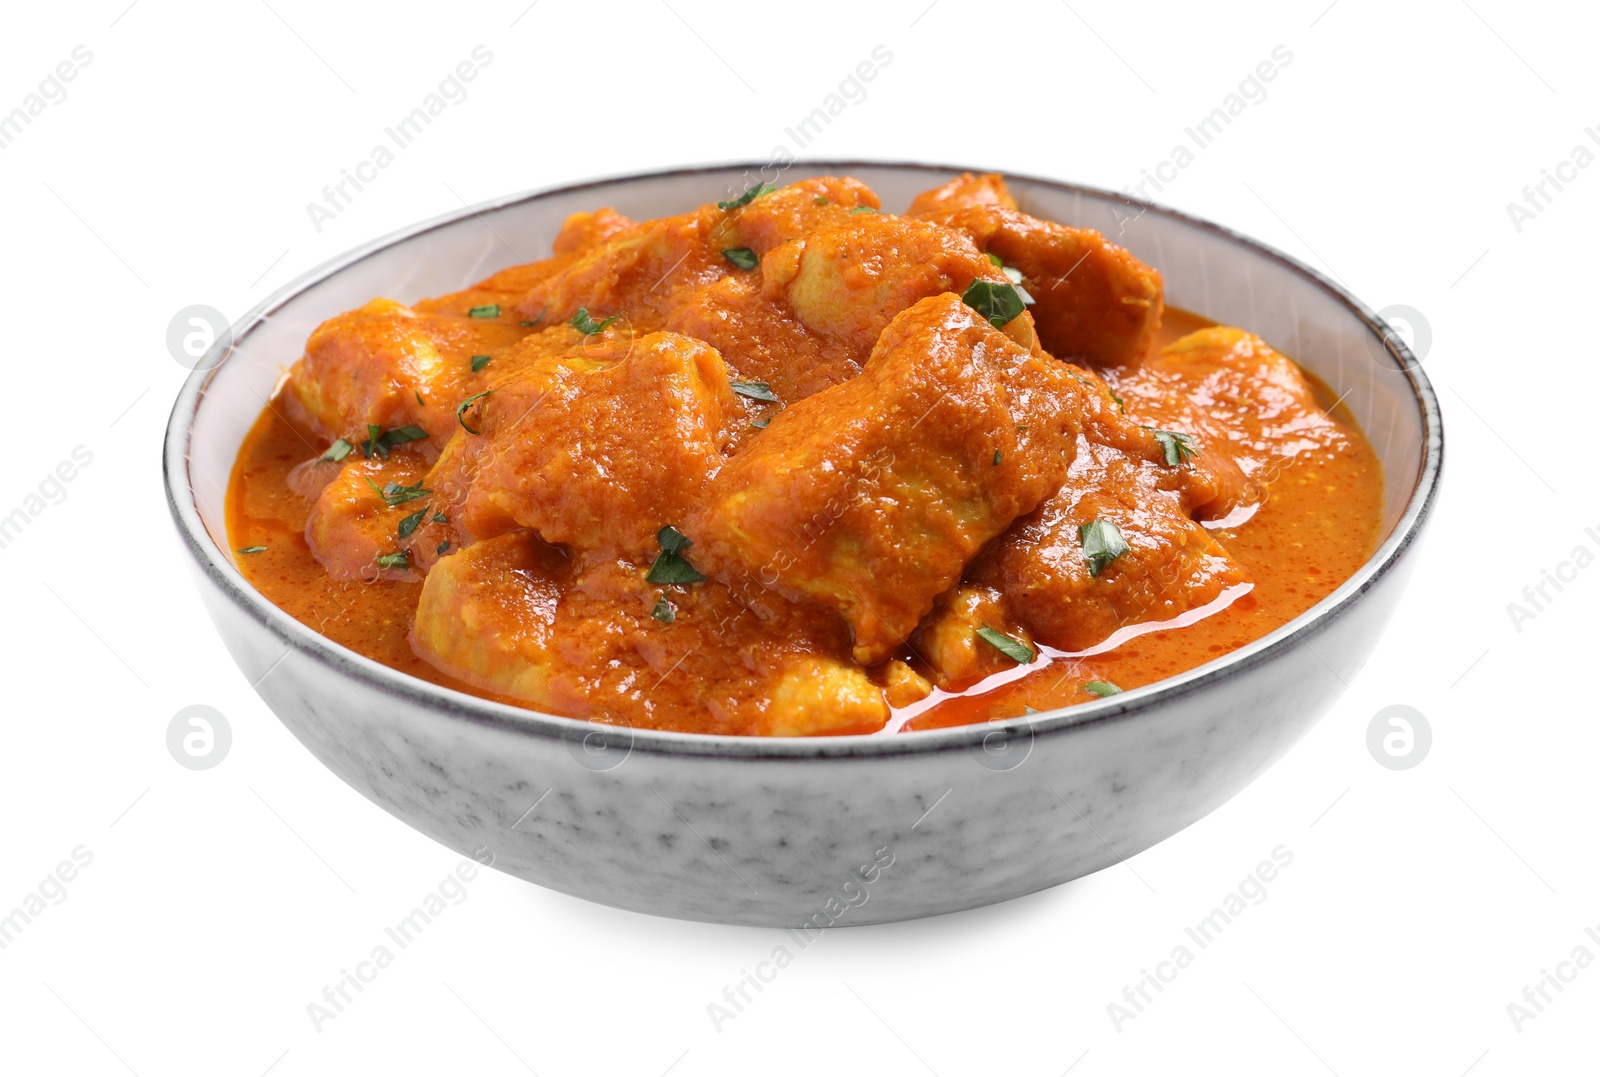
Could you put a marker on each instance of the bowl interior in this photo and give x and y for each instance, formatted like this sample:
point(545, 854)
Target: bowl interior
point(1207, 269)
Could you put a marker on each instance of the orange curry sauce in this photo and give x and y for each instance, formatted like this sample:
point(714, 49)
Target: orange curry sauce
point(1306, 494)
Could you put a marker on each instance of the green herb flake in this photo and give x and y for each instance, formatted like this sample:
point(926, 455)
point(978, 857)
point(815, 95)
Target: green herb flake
point(670, 565)
point(380, 441)
point(1102, 689)
point(820, 200)
point(1102, 544)
point(411, 523)
point(1122, 408)
point(536, 320)
point(393, 560)
point(1015, 650)
point(755, 390)
point(461, 412)
point(997, 458)
point(442, 547)
point(861, 209)
point(664, 611)
point(584, 323)
point(994, 258)
point(750, 195)
point(996, 301)
point(1178, 449)
point(421, 403)
point(337, 451)
point(251, 549)
point(394, 494)
point(672, 540)
point(439, 517)
point(479, 362)
point(743, 257)
point(760, 424)
point(489, 310)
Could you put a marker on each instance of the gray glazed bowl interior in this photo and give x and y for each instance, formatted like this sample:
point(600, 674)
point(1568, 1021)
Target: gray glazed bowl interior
point(770, 831)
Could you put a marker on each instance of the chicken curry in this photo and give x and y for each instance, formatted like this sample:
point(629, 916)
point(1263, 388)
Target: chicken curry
point(790, 464)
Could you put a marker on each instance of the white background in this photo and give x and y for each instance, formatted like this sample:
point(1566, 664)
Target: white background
point(218, 903)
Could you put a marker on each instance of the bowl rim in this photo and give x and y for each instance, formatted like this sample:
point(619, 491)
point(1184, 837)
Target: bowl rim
point(448, 703)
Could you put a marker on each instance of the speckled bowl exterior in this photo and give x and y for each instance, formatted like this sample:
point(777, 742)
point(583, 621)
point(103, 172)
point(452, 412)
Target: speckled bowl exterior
point(822, 832)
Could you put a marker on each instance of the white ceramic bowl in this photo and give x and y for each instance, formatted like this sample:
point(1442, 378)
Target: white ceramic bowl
point(826, 831)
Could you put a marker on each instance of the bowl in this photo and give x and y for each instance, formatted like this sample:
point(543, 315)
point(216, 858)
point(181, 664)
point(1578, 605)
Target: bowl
point(808, 833)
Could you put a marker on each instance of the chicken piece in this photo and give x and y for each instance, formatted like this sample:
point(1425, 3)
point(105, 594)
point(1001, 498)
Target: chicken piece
point(1243, 397)
point(596, 449)
point(1171, 564)
point(800, 209)
point(527, 286)
point(1093, 301)
point(353, 524)
point(391, 366)
point(487, 616)
point(639, 273)
point(585, 231)
point(514, 616)
point(870, 497)
point(1163, 428)
point(761, 341)
point(948, 639)
point(965, 190)
point(845, 285)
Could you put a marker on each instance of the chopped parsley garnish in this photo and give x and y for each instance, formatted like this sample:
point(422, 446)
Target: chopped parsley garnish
point(586, 325)
point(479, 362)
point(820, 200)
point(1177, 448)
point(395, 494)
point(997, 302)
point(997, 458)
point(995, 258)
point(1122, 408)
point(489, 310)
point(750, 195)
point(755, 390)
point(861, 209)
point(251, 549)
point(411, 523)
point(1102, 544)
point(670, 565)
point(461, 412)
point(664, 611)
point(421, 403)
point(1015, 650)
point(1102, 689)
point(337, 451)
point(537, 318)
point(393, 560)
point(743, 257)
point(442, 547)
point(380, 441)
point(761, 424)
point(439, 517)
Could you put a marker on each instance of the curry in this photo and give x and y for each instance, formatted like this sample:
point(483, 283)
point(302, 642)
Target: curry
point(788, 464)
